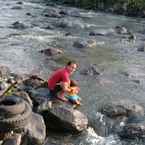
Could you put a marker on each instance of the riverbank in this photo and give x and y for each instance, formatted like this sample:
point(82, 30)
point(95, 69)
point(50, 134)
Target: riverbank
point(127, 8)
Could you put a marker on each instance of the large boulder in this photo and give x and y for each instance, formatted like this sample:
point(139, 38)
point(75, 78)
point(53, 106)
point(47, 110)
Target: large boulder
point(91, 70)
point(134, 128)
point(122, 107)
point(124, 117)
point(40, 97)
point(31, 82)
point(35, 130)
point(63, 117)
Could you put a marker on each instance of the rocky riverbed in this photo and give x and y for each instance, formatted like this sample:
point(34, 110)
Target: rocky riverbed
point(36, 38)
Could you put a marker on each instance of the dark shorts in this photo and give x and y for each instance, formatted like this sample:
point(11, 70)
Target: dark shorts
point(55, 91)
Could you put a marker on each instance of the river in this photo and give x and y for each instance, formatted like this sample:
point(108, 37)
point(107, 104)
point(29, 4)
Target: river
point(120, 63)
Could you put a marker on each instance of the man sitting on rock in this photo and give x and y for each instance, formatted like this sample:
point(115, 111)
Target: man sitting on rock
point(59, 81)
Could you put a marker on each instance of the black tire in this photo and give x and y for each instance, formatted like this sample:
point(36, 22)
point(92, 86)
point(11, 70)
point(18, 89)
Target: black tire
point(16, 122)
point(12, 105)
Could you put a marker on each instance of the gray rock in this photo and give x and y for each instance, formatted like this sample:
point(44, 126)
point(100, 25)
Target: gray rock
point(52, 13)
point(101, 32)
point(62, 117)
point(35, 130)
point(18, 25)
point(91, 70)
point(70, 23)
point(41, 98)
point(141, 48)
point(135, 127)
point(19, 3)
point(31, 82)
point(17, 8)
point(52, 51)
point(121, 30)
point(84, 43)
point(122, 108)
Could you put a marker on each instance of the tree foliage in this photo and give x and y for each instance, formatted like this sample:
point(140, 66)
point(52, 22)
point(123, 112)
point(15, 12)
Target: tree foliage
point(128, 5)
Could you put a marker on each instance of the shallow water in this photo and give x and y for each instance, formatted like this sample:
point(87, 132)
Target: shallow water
point(113, 55)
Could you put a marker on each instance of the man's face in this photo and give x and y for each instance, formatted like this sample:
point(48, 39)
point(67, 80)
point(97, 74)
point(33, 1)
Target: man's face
point(72, 68)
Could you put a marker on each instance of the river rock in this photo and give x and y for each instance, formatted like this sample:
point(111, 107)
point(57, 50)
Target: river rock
point(19, 3)
point(31, 82)
point(18, 25)
point(28, 14)
point(52, 13)
point(51, 51)
point(122, 107)
point(63, 117)
point(16, 8)
point(121, 30)
point(70, 23)
point(49, 26)
point(135, 127)
point(91, 70)
point(41, 98)
point(35, 130)
point(73, 12)
point(101, 32)
point(85, 43)
point(141, 48)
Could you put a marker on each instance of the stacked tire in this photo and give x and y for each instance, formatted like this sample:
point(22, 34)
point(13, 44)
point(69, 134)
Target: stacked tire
point(15, 113)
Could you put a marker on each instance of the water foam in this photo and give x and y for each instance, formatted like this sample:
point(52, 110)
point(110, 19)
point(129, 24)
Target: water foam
point(91, 138)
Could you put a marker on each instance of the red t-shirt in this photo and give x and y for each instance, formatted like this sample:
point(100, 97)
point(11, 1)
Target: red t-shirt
point(60, 75)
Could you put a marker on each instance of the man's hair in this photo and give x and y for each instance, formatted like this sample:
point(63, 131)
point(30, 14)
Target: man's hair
point(71, 62)
point(73, 83)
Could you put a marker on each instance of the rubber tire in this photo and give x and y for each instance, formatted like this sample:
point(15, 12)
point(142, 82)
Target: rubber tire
point(12, 105)
point(16, 122)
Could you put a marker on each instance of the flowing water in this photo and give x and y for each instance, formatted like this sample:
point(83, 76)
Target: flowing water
point(114, 55)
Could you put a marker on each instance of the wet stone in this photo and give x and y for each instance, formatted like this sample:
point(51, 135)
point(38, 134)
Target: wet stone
point(62, 117)
point(28, 14)
point(51, 51)
point(134, 128)
point(91, 70)
point(18, 25)
point(141, 48)
point(19, 3)
point(84, 43)
point(122, 108)
point(16, 8)
point(35, 130)
point(52, 13)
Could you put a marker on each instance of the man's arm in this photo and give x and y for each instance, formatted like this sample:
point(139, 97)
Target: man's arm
point(66, 87)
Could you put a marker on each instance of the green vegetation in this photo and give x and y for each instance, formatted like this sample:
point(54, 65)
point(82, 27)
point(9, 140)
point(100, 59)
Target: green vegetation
point(127, 7)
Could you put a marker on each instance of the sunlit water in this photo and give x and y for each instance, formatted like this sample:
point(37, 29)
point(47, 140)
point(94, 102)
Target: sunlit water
point(113, 55)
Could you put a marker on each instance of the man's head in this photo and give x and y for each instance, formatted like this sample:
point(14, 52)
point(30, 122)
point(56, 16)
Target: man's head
point(71, 66)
